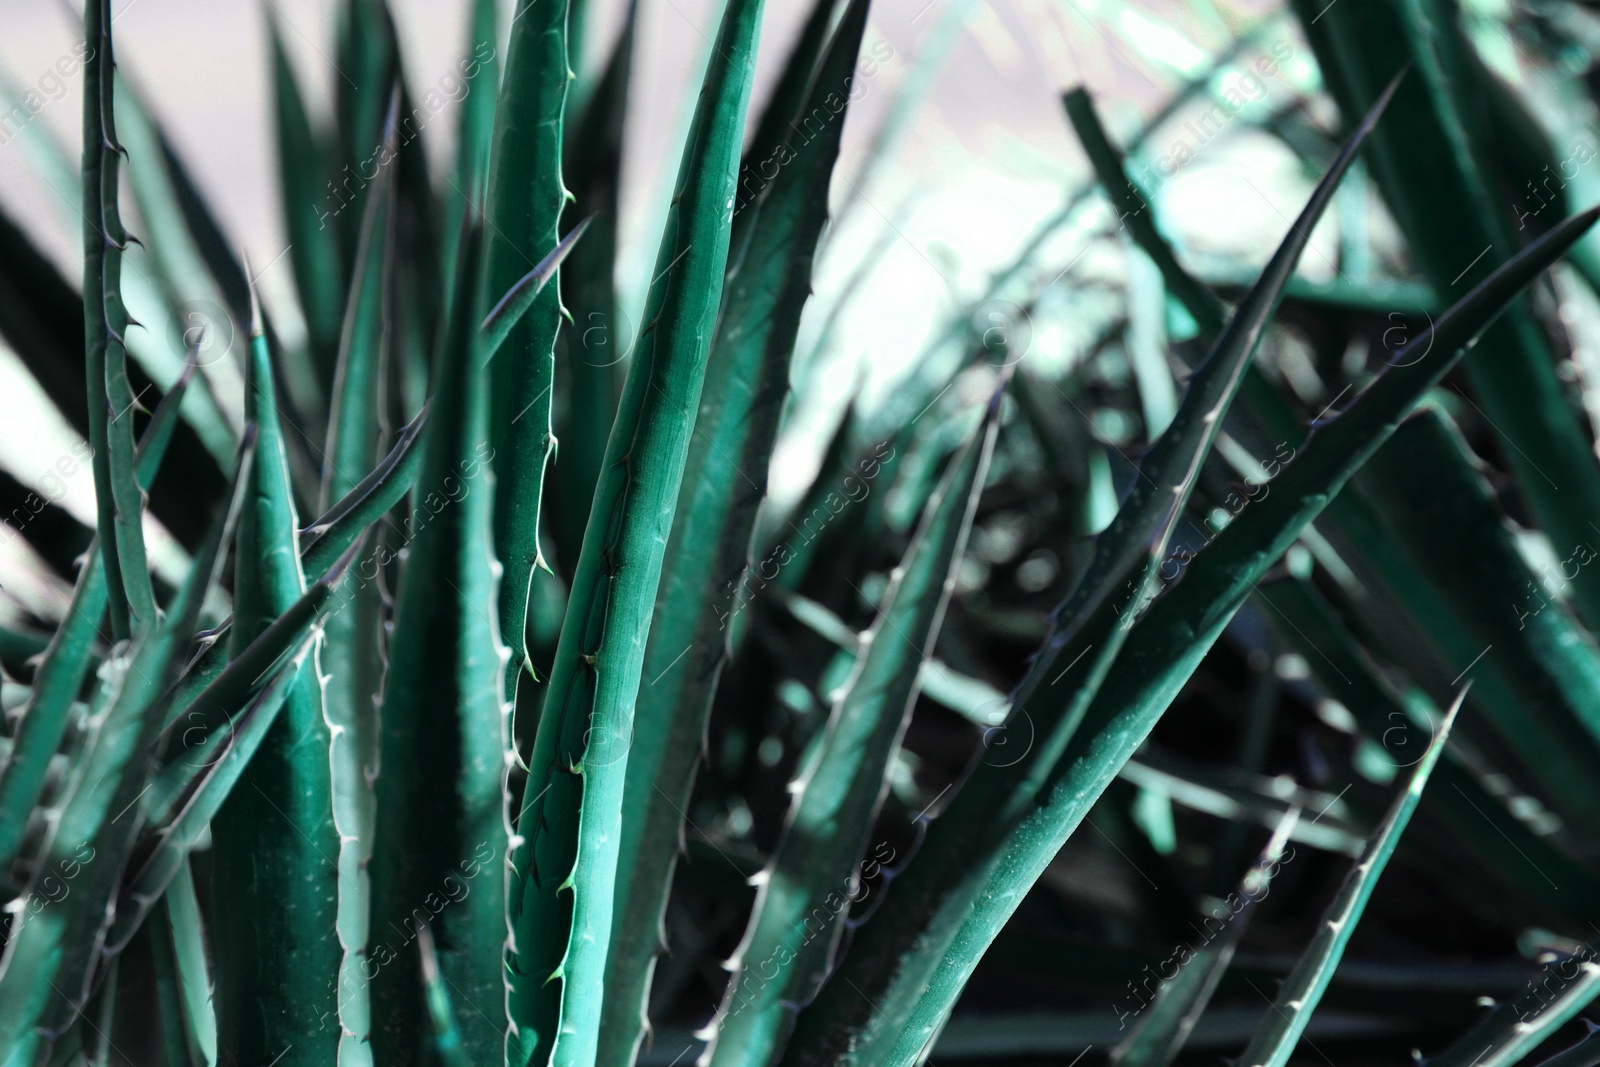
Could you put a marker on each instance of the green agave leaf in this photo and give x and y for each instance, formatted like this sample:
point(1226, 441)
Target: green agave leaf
point(1551, 663)
point(1169, 643)
point(368, 54)
point(277, 967)
point(351, 655)
point(67, 660)
point(342, 525)
point(807, 885)
point(111, 404)
point(441, 1013)
point(441, 835)
point(1302, 991)
point(475, 132)
point(1435, 167)
point(569, 824)
point(1134, 212)
point(186, 796)
point(189, 951)
point(311, 218)
point(510, 309)
point(791, 97)
point(589, 357)
point(1165, 1024)
point(746, 381)
point(1397, 721)
point(1255, 800)
point(1516, 1029)
point(526, 198)
point(1586, 1053)
point(153, 950)
point(51, 958)
point(323, 544)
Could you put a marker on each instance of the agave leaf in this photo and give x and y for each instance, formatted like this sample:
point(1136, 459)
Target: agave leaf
point(969, 697)
point(1437, 177)
point(111, 403)
point(368, 54)
point(353, 427)
point(569, 822)
point(189, 950)
point(1585, 1053)
point(475, 133)
point(723, 484)
point(187, 795)
point(1517, 1028)
point(526, 198)
point(1397, 721)
point(51, 958)
point(444, 750)
point(342, 524)
point(66, 662)
point(792, 93)
point(837, 797)
point(1302, 991)
point(511, 308)
point(324, 543)
point(311, 218)
point(1551, 663)
point(1180, 627)
point(154, 948)
point(1134, 212)
point(277, 967)
point(1165, 1024)
point(351, 656)
point(589, 357)
point(446, 1037)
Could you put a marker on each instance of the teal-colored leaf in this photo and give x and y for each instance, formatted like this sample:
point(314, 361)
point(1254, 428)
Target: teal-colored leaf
point(569, 820)
point(805, 891)
point(708, 553)
point(1302, 991)
point(441, 837)
point(525, 202)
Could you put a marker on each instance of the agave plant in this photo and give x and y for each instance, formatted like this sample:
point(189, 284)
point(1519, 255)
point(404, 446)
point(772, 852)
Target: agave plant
point(438, 684)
